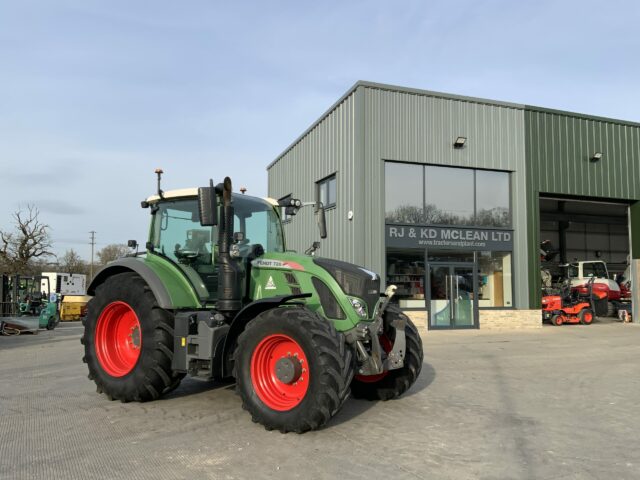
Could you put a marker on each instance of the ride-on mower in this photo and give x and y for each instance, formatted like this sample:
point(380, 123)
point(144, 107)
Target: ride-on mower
point(572, 306)
point(296, 332)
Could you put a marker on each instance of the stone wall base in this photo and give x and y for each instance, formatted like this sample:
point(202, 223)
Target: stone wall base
point(490, 319)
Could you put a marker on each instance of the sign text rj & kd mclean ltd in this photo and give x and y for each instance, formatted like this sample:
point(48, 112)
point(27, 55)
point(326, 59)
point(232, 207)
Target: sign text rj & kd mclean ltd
point(405, 236)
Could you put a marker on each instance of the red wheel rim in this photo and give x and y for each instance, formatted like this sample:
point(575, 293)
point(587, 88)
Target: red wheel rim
point(118, 339)
point(587, 317)
point(387, 346)
point(272, 390)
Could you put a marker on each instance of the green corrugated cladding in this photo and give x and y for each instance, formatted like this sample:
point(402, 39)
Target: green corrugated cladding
point(558, 151)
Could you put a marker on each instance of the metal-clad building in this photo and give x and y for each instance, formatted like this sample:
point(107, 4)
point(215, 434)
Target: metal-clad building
point(432, 189)
point(559, 146)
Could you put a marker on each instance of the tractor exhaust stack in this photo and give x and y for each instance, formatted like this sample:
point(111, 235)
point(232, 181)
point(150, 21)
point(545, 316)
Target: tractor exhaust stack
point(230, 273)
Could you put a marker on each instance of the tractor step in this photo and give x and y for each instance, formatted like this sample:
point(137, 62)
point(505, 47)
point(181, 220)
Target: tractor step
point(198, 343)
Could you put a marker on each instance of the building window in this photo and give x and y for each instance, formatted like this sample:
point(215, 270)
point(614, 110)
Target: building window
point(435, 195)
point(495, 283)
point(492, 199)
point(403, 193)
point(283, 210)
point(326, 191)
point(448, 196)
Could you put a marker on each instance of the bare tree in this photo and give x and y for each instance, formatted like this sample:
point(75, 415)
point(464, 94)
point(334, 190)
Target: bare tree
point(30, 240)
point(72, 263)
point(112, 252)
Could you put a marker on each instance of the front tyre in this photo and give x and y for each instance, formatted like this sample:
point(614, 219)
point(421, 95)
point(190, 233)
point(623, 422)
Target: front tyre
point(393, 383)
point(52, 323)
point(128, 341)
point(292, 369)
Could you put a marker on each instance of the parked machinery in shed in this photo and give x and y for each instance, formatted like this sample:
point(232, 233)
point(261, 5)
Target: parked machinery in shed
point(296, 332)
point(573, 306)
point(579, 274)
point(595, 272)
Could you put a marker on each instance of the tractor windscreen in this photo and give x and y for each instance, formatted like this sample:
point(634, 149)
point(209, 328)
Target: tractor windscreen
point(178, 235)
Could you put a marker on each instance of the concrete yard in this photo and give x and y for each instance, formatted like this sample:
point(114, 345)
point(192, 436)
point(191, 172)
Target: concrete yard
point(552, 403)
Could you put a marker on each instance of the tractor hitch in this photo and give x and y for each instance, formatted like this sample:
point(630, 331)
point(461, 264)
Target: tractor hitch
point(380, 356)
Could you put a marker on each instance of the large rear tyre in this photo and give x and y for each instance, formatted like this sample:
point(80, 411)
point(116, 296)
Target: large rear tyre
point(292, 369)
point(128, 341)
point(393, 383)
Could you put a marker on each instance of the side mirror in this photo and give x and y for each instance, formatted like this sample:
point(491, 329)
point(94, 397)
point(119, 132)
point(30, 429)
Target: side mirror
point(208, 205)
point(322, 221)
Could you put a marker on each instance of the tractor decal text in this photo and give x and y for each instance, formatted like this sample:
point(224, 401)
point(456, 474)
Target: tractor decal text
point(288, 265)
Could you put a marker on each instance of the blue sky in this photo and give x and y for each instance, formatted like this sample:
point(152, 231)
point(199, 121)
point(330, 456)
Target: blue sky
point(95, 95)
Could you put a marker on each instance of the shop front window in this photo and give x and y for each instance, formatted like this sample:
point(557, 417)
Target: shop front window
point(403, 193)
point(495, 283)
point(436, 195)
point(406, 270)
point(448, 196)
point(492, 199)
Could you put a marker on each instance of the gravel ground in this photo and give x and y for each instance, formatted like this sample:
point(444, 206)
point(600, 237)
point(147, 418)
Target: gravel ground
point(557, 403)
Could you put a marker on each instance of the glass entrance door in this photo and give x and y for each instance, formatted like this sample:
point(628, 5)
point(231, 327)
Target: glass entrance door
point(452, 302)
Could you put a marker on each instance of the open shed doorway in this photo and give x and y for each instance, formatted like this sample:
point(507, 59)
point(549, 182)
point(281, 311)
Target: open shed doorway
point(585, 238)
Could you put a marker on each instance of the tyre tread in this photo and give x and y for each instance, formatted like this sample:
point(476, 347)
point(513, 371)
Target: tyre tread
point(333, 357)
point(157, 377)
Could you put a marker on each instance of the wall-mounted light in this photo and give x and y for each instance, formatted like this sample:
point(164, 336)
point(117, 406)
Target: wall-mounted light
point(459, 143)
point(596, 157)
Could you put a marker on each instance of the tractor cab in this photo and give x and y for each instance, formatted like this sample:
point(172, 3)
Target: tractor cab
point(178, 236)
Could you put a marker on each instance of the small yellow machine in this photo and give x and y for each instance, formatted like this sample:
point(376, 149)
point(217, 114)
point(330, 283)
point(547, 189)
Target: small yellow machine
point(73, 307)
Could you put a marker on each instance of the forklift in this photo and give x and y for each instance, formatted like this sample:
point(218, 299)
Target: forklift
point(25, 306)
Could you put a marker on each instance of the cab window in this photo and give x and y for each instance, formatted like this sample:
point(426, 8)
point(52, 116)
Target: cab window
point(178, 233)
point(594, 270)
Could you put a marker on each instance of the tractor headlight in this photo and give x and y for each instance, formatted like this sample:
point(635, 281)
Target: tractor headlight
point(359, 306)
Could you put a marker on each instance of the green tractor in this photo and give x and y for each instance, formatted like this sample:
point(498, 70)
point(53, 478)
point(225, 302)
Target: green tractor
point(216, 295)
